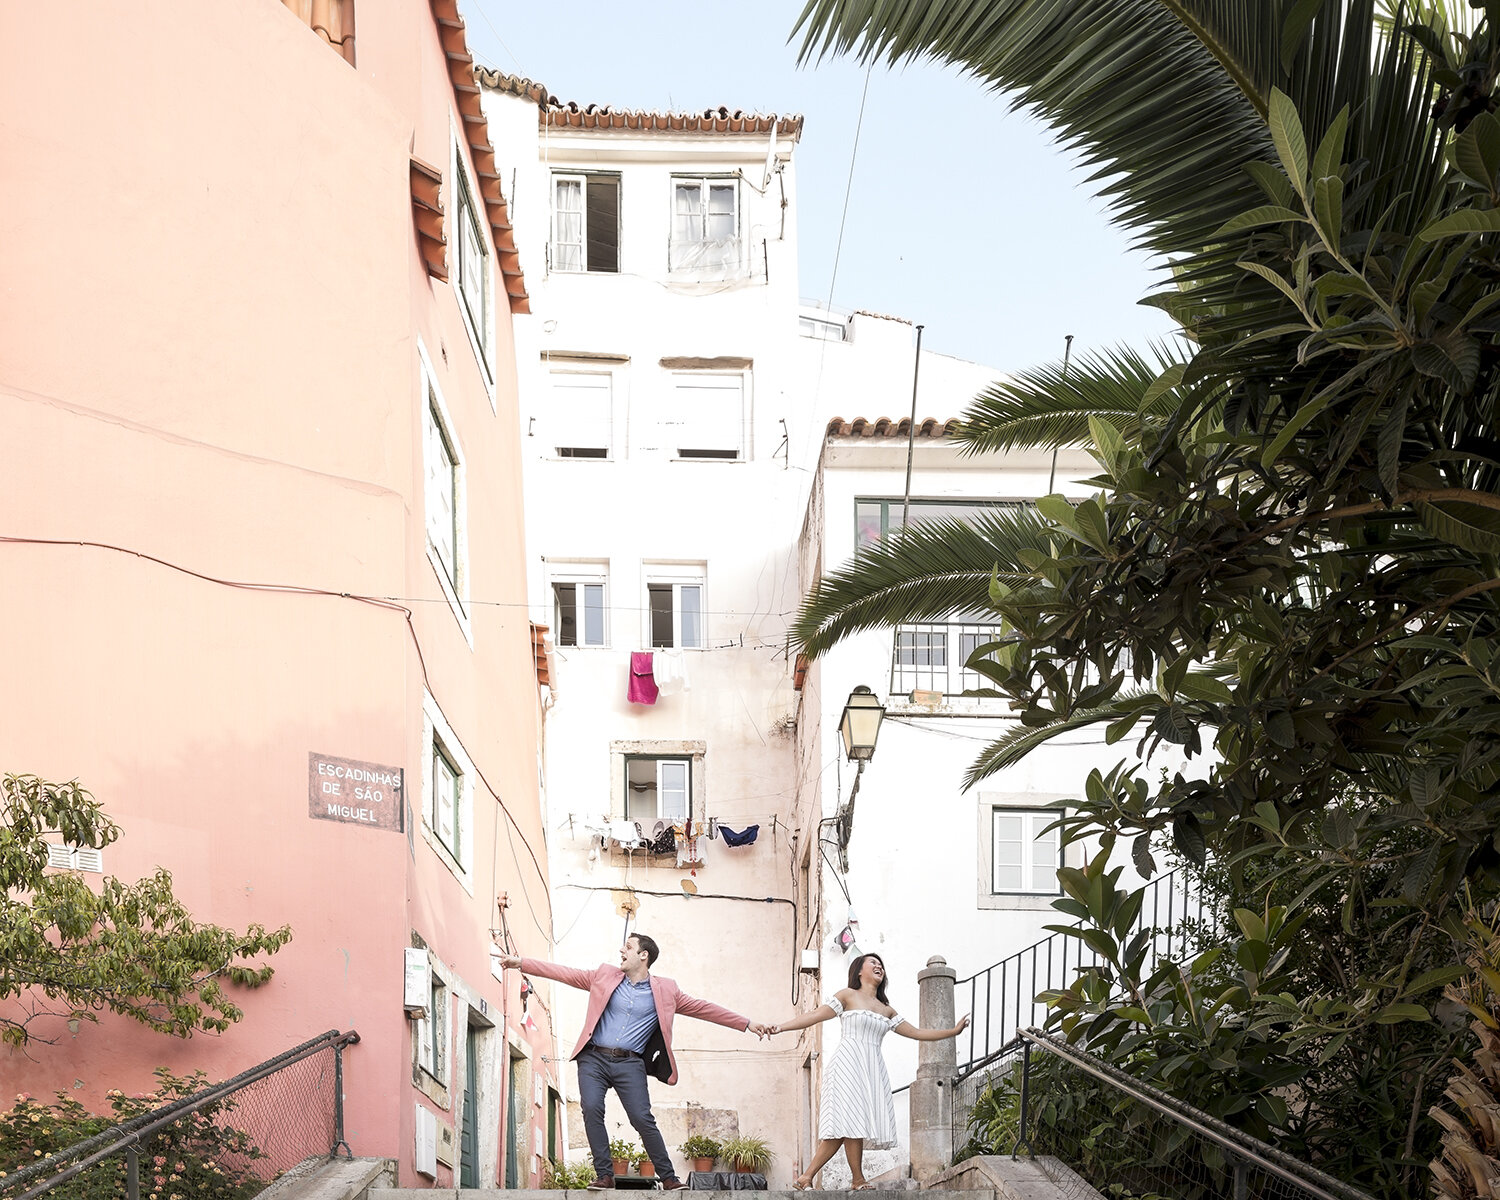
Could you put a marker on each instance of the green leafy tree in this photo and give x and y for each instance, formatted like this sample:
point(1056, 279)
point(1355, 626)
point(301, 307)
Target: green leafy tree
point(71, 951)
point(1292, 561)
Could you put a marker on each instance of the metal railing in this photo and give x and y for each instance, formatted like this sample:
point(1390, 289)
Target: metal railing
point(1093, 1128)
point(224, 1142)
point(1002, 998)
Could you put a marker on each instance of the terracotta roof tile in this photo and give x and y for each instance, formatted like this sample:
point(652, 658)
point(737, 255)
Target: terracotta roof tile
point(477, 134)
point(331, 20)
point(864, 427)
point(558, 114)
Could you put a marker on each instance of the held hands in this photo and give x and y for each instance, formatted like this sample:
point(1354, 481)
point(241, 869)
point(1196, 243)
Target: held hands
point(508, 960)
point(760, 1029)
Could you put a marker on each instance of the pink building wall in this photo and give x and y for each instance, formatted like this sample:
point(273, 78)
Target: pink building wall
point(211, 301)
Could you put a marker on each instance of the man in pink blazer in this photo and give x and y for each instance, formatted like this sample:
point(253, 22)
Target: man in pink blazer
point(627, 1032)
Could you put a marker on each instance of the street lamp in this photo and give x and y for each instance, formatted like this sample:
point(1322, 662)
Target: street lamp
point(861, 724)
point(859, 728)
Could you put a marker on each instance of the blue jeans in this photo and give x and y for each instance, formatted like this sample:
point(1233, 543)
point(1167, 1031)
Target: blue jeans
point(596, 1075)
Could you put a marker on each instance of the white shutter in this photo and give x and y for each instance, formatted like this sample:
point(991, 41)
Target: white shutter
point(712, 412)
point(88, 858)
point(59, 856)
point(582, 412)
point(66, 857)
point(440, 493)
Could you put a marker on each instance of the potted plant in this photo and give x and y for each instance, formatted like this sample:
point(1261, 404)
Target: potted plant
point(748, 1154)
point(644, 1167)
point(624, 1153)
point(560, 1176)
point(701, 1151)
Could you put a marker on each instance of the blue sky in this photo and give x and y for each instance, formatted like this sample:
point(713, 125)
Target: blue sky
point(962, 215)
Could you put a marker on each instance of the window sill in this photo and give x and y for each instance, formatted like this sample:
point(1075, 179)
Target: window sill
point(445, 856)
point(430, 1086)
point(455, 605)
point(1018, 901)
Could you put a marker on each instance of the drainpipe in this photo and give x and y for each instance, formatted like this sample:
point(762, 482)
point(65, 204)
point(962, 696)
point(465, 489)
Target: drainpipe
point(937, 1063)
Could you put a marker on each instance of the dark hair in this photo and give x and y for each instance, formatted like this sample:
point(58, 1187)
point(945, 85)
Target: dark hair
point(648, 945)
point(857, 966)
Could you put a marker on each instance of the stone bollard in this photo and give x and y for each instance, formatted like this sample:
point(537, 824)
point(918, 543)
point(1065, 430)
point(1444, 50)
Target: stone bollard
point(931, 1099)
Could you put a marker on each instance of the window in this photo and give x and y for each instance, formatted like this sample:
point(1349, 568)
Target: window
point(675, 612)
point(705, 224)
point(442, 492)
point(921, 648)
point(448, 778)
point(580, 419)
point(873, 519)
point(432, 1031)
point(578, 612)
point(65, 856)
point(658, 789)
point(447, 800)
point(586, 223)
point(473, 260)
point(1024, 858)
point(706, 415)
point(823, 329)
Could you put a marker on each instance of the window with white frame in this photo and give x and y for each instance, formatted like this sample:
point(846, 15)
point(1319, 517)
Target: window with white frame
point(472, 263)
point(921, 648)
point(443, 493)
point(675, 609)
point(705, 415)
point(705, 224)
point(448, 780)
point(1025, 855)
point(580, 418)
point(658, 789)
point(586, 223)
point(578, 610)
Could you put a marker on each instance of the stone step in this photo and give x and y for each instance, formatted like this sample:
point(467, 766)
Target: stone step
point(581, 1194)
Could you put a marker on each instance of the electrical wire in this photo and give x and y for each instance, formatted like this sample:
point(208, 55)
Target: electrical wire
point(300, 590)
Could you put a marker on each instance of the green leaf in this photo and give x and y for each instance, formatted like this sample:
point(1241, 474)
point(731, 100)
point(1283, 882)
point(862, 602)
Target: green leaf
point(1090, 523)
point(1251, 924)
point(1107, 441)
point(1059, 511)
point(1278, 283)
point(1392, 1014)
point(1273, 182)
point(1328, 203)
point(1187, 832)
point(1266, 214)
point(1459, 524)
point(1476, 151)
point(1388, 447)
point(1197, 686)
point(1463, 223)
point(1287, 136)
point(1329, 159)
point(1140, 852)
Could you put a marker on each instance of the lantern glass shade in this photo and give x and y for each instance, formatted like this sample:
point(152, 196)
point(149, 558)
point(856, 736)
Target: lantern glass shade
point(861, 724)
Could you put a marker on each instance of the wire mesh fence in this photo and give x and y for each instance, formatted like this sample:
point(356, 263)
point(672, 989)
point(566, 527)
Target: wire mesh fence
point(228, 1141)
point(1094, 1131)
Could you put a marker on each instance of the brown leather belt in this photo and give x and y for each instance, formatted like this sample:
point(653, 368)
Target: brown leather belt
point(615, 1051)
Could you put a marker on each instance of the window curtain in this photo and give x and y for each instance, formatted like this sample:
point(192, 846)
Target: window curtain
point(567, 232)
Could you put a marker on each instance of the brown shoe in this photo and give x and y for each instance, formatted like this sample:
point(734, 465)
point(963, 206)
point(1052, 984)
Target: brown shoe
point(602, 1183)
point(672, 1185)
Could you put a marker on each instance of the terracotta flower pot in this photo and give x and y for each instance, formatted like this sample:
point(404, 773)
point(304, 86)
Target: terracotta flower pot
point(622, 1166)
point(647, 1168)
point(703, 1164)
point(742, 1168)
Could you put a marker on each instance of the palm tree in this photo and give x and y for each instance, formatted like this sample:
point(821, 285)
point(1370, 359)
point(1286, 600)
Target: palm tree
point(1294, 554)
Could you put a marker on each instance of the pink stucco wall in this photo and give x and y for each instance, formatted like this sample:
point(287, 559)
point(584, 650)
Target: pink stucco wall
point(210, 306)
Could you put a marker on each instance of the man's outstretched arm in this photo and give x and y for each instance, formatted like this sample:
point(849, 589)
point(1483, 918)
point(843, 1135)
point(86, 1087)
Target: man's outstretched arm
point(571, 976)
point(707, 1010)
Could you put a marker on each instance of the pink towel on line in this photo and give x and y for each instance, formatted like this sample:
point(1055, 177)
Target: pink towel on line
point(642, 688)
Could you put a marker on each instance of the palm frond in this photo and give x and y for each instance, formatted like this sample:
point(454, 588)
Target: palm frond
point(1049, 408)
point(925, 571)
point(1011, 747)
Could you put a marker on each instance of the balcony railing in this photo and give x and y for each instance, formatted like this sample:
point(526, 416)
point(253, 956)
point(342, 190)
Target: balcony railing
point(930, 657)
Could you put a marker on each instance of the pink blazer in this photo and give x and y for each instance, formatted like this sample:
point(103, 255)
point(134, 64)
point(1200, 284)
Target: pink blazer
point(600, 984)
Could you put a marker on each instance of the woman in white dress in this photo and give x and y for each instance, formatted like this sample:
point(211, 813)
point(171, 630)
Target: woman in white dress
point(856, 1109)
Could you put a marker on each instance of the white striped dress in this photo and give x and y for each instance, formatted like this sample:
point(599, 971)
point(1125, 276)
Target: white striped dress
point(856, 1101)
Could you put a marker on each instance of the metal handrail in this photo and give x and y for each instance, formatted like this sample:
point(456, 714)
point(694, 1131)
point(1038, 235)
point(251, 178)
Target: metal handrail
point(1239, 1145)
point(1052, 969)
point(127, 1136)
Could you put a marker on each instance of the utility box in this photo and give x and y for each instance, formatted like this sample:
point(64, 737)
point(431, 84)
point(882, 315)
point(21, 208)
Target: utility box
point(418, 988)
point(426, 1152)
point(812, 960)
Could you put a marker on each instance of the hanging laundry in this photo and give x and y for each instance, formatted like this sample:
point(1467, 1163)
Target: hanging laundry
point(669, 669)
point(741, 837)
point(713, 828)
point(688, 852)
point(642, 689)
point(666, 842)
point(627, 833)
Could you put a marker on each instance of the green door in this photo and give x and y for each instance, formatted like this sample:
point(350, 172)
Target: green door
point(515, 1098)
point(468, 1143)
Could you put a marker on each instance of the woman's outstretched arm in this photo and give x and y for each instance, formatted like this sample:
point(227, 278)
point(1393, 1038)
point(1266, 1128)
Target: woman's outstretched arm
point(803, 1020)
point(907, 1029)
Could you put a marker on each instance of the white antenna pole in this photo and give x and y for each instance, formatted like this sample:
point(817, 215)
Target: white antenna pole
point(1067, 350)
